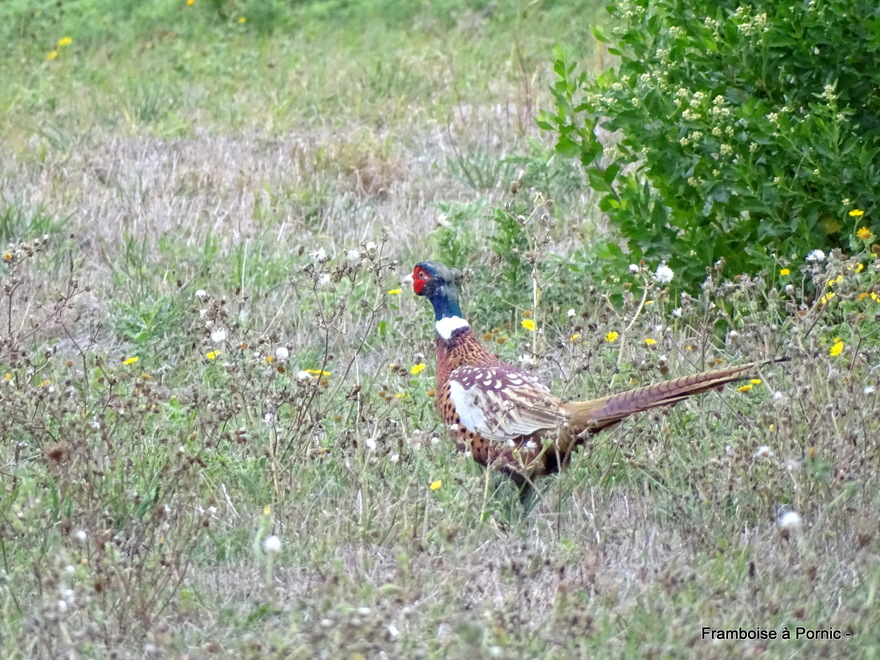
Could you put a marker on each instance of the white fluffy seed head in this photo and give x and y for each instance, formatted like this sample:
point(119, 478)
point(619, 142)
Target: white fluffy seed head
point(664, 274)
point(790, 521)
point(272, 545)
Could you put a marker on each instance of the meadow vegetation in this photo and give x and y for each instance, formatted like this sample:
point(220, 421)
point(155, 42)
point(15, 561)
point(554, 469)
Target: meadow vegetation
point(219, 437)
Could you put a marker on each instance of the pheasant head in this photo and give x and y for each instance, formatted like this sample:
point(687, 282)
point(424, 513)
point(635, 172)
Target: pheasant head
point(437, 283)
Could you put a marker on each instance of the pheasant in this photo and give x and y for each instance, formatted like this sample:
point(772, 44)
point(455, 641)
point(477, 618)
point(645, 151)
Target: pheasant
point(505, 416)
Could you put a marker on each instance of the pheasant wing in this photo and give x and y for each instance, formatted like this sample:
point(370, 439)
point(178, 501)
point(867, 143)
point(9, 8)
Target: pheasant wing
point(502, 403)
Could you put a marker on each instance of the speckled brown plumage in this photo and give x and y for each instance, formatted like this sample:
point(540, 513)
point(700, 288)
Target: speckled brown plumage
point(504, 416)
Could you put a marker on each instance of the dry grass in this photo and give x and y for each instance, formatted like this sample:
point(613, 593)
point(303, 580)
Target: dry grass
point(137, 495)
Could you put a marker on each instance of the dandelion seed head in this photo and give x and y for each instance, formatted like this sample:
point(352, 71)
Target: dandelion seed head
point(272, 545)
point(790, 521)
point(664, 274)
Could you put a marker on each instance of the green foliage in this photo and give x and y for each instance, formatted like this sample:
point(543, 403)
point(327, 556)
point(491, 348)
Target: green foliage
point(457, 240)
point(747, 132)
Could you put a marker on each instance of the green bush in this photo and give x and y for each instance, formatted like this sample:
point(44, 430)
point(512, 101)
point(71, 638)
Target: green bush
point(747, 132)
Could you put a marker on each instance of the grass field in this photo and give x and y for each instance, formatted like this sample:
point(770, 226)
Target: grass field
point(207, 341)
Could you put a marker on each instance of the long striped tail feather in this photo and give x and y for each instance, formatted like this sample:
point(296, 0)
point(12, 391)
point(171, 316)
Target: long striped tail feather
point(597, 414)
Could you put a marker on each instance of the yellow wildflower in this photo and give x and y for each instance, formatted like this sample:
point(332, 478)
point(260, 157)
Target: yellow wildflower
point(190, 3)
point(611, 337)
point(7, 377)
point(241, 19)
point(267, 510)
point(862, 296)
point(528, 324)
point(865, 234)
point(649, 341)
point(317, 372)
point(51, 55)
point(745, 388)
point(784, 272)
point(837, 349)
point(394, 292)
point(856, 213)
point(212, 355)
point(835, 280)
point(130, 360)
point(416, 369)
point(755, 381)
point(828, 296)
point(64, 41)
point(7, 257)
point(399, 395)
point(435, 485)
point(575, 337)
point(45, 383)
point(269, 359)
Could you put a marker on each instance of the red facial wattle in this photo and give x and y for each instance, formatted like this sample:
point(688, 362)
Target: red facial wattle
point(420, 278)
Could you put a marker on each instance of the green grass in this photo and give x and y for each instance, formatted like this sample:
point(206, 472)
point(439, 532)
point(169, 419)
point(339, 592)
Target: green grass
point(234, 204)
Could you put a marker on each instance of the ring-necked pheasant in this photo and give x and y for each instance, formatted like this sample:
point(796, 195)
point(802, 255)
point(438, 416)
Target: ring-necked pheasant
point(504, 415)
